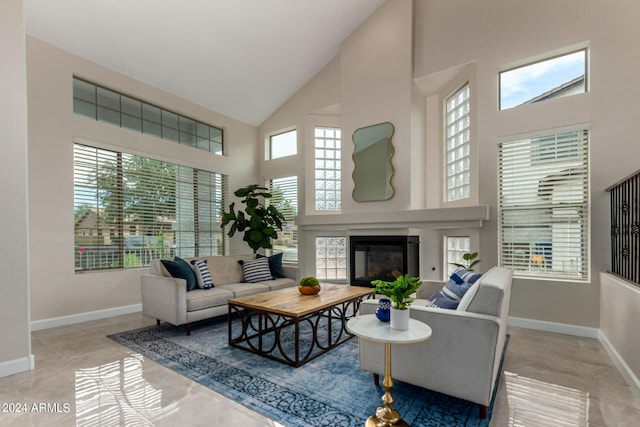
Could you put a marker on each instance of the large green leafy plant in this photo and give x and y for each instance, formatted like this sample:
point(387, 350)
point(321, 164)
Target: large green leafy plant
point(399, 291)
point(258, 222)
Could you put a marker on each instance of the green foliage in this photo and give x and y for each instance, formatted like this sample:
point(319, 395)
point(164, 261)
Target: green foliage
point(399, 291)
point(132, 260)
point(258, 222)
point(470, 259)
point(309, 281)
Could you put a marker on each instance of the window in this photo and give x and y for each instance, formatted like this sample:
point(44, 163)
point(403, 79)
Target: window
point(285, 198)
point(129, 209)
point(542, 80)
point(458, 146)
point(282, 145)
point(331, 258)
point(106, 105)
point(456, 248)
point(544, 206)
point(327, 169)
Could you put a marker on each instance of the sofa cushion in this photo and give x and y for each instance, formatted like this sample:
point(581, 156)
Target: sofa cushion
point(279, 283)
point(203, 275)
point(256, 270)
point(275, 265)
point(199, 299)
point(181, 269)
point(244, 289)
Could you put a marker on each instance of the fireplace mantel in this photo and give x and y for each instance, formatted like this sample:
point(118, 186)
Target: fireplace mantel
point(464, 217)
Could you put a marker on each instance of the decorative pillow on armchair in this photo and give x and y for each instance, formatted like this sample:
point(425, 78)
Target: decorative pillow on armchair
point(458, 284)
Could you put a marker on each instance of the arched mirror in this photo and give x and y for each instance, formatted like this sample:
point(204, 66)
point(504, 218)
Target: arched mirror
point(372, 159)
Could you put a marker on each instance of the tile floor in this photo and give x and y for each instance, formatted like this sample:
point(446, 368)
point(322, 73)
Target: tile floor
point(84, 379)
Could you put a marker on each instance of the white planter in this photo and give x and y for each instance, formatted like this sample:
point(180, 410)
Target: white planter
point(399, 319)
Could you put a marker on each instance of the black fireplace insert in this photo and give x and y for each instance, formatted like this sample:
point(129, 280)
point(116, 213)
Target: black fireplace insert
point(382, 258)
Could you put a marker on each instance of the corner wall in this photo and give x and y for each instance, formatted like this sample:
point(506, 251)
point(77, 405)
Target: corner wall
point(15, 351)
point(58, 294)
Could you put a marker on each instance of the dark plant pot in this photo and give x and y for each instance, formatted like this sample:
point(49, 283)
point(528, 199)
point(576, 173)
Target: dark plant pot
point(383, 312)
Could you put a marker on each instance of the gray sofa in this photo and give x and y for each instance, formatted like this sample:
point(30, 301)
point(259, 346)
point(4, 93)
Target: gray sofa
point(166, 298)
point(463, 355)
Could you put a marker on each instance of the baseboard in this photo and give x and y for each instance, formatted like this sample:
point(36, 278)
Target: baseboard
point(37, 325)
point(16, 366)
point(618, 361)
point(560, 328)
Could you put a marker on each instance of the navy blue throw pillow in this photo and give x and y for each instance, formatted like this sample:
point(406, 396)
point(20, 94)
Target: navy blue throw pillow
point(181, 269)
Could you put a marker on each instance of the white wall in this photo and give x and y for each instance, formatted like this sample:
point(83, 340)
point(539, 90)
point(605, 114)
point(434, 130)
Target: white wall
point(466, 39)
point(15, 351)
point(619, 319)
point(56, 290)
point(498, 33)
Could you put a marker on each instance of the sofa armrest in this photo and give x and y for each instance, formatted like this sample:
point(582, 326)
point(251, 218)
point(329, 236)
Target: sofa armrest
point(292, 272)
point(164, 298)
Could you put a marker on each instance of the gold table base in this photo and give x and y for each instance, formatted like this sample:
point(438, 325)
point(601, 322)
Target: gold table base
point(385, 415)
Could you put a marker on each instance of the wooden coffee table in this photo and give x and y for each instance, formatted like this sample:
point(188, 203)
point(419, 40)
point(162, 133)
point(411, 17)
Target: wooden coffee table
point(286, 326)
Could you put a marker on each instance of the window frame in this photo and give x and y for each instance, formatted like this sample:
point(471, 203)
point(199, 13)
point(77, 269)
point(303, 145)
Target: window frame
point(469, 156)
point(336, 192)
point(270, 144)
point(556, 213)
point(289, 256)
point(539, 60)
point(205, 191)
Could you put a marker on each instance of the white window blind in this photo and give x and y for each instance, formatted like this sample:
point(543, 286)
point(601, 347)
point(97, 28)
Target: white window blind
point(328, 179)
point(544, 206)
point(130, 209)
point(285, 197)
point(458, 145)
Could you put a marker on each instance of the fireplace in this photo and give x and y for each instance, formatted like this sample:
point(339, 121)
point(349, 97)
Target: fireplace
point(382, 258)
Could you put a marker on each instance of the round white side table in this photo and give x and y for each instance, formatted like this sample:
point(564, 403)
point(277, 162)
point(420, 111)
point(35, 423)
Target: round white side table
point(370, 328)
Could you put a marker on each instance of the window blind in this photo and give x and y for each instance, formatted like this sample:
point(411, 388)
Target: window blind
point(285, 198)
point(544, 205)
point(130, 209)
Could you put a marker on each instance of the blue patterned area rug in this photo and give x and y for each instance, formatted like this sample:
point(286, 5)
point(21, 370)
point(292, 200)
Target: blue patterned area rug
point(330, 390)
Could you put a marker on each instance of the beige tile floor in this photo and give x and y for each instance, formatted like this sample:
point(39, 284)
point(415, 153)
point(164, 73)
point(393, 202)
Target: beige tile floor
point(84, 379)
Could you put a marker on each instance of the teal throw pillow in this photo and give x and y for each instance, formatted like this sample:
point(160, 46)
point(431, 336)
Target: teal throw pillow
point(181, 269)
point(275, 265)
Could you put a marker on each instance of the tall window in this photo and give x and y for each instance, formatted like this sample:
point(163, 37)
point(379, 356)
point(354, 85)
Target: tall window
point(544, 206)
point(327, 169)
point(458, 145)
point(130, 209)
point(554, 77)
point(106, 105)
point(282, 145)
point(331, 258)
point(456, 248)
point(285, 198)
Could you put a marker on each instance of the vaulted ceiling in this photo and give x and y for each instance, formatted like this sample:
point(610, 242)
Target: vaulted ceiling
point(240, 58)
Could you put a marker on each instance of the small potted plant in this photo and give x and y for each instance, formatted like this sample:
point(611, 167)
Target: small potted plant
point(309, 286)
point(399, 291)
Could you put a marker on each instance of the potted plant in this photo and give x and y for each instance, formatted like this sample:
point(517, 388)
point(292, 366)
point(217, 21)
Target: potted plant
point(309, 286)
point(470, 259)
point(399, 291)
point(258, 222)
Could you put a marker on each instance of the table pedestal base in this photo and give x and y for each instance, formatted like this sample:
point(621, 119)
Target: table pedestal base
point(374, 421)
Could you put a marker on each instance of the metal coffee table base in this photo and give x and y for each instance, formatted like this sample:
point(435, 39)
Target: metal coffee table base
point(293, 340)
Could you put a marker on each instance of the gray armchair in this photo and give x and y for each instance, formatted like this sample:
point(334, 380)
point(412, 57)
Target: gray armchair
point(463, 355)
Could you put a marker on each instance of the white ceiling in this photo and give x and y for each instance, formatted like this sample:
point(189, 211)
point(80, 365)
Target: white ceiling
point(241, 58)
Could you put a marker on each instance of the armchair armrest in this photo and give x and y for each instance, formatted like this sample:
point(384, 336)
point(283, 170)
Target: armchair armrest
point(459, 359)
point(164, 298)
